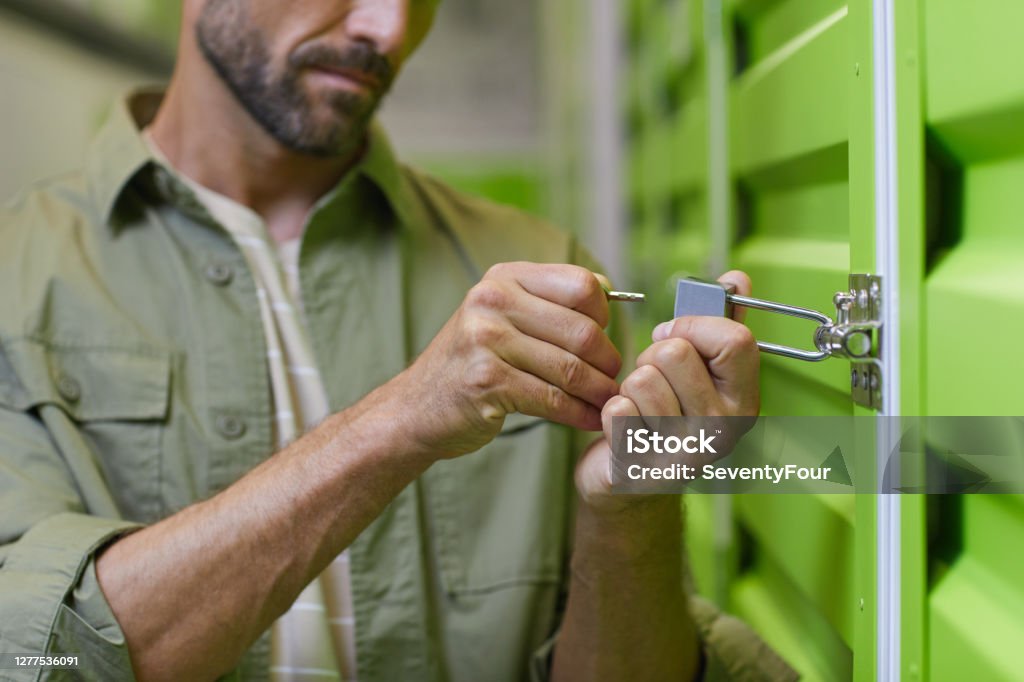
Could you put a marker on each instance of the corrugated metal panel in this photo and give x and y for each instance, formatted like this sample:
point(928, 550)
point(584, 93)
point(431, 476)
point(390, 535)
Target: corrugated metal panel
point(801, 168)
point(974, 301)
point(789, 168)
point(784, 563)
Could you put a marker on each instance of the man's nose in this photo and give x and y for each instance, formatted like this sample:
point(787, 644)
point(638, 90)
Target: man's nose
point(383, 23)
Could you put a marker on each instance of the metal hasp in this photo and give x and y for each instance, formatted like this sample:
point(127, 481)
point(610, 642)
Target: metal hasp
point(853, 335)
point(858, 328)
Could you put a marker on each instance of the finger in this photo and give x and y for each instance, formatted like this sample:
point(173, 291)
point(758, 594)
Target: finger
point(618, 406)
point(559, 368)
point(729, 350)
point(568, 329)
point(744, 287)
point(651, 392)
point(570, 286)
point(683, 367)
point(535, 397)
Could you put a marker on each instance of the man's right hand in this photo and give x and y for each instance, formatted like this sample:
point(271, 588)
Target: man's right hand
point(528, 338)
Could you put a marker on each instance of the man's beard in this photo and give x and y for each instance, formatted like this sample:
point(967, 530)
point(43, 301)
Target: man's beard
point(238, 53)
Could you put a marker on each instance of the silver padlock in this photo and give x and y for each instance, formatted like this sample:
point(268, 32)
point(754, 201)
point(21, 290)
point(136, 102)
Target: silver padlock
point(851, 337)
point(699, 297)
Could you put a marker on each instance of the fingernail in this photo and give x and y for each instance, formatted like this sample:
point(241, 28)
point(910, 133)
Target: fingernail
point(661, 332)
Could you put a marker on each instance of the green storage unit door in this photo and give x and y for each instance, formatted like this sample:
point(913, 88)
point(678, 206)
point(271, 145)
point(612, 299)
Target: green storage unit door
point(973, 302)
point(789, 177)
point(784, 563)
point(799, 171)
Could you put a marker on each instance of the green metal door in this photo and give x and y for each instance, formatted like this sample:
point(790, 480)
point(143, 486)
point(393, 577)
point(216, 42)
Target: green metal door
point(789, 176)
point(787, 564)
point(869, 136)
point(961, 157)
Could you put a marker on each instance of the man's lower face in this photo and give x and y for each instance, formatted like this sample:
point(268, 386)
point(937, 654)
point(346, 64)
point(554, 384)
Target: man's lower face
point(307, 109)
point(317, 113)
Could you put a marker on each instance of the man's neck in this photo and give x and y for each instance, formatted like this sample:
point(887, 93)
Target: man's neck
point(206, 134)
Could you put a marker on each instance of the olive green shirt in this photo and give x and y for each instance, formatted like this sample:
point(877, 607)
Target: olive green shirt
point(133, 382)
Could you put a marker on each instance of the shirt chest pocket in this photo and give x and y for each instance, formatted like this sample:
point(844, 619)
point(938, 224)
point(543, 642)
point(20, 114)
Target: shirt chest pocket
point(501, 515)
point(105, 408)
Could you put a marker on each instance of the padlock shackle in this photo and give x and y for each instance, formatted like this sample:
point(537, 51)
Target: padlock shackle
point(793, 311)
point(772, 306)
point(794, 353)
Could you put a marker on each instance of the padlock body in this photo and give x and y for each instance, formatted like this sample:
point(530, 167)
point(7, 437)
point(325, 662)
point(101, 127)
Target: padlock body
point(698, 297)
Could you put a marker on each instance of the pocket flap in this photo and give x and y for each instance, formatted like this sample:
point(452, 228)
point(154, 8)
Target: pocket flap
point(88, 382)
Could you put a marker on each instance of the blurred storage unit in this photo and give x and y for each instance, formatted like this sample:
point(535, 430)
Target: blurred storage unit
point(56, 92)
point(972, 296)
point(755, 142)
point(468, 106)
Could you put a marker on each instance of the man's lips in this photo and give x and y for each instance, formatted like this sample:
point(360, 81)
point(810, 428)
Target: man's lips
point(362, 78)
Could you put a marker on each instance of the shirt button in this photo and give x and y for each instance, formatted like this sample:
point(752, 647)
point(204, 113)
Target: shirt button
point(69, 388)
point(219, 274)
point(230, 427)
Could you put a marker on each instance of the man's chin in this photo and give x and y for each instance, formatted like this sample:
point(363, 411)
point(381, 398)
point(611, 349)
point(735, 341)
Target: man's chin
point(326, 141)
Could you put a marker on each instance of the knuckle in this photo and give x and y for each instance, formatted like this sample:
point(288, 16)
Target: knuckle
point(573, 371)
point(556, 399)
point(485, 373)
point(741, 338)
point(482, 332)
point(582, 284)
point(640, 381)
point(674, 352)
point(587, 337)
point(488, 294)
point(619, 406)
point(496, 271)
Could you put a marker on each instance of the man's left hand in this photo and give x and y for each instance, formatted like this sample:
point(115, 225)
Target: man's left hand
point(697, 366)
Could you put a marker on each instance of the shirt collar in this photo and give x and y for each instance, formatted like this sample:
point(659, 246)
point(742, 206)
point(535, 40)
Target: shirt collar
point(380, 166)
point(119, 153)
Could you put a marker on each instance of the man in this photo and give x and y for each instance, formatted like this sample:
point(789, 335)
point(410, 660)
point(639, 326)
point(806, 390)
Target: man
point(243, 261)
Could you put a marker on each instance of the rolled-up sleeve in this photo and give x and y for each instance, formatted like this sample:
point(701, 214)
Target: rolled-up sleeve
point(50, 600)
point(732, 651)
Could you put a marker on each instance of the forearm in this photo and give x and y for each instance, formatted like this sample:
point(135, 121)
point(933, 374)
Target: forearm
point(192, 592)
point(626, 617)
